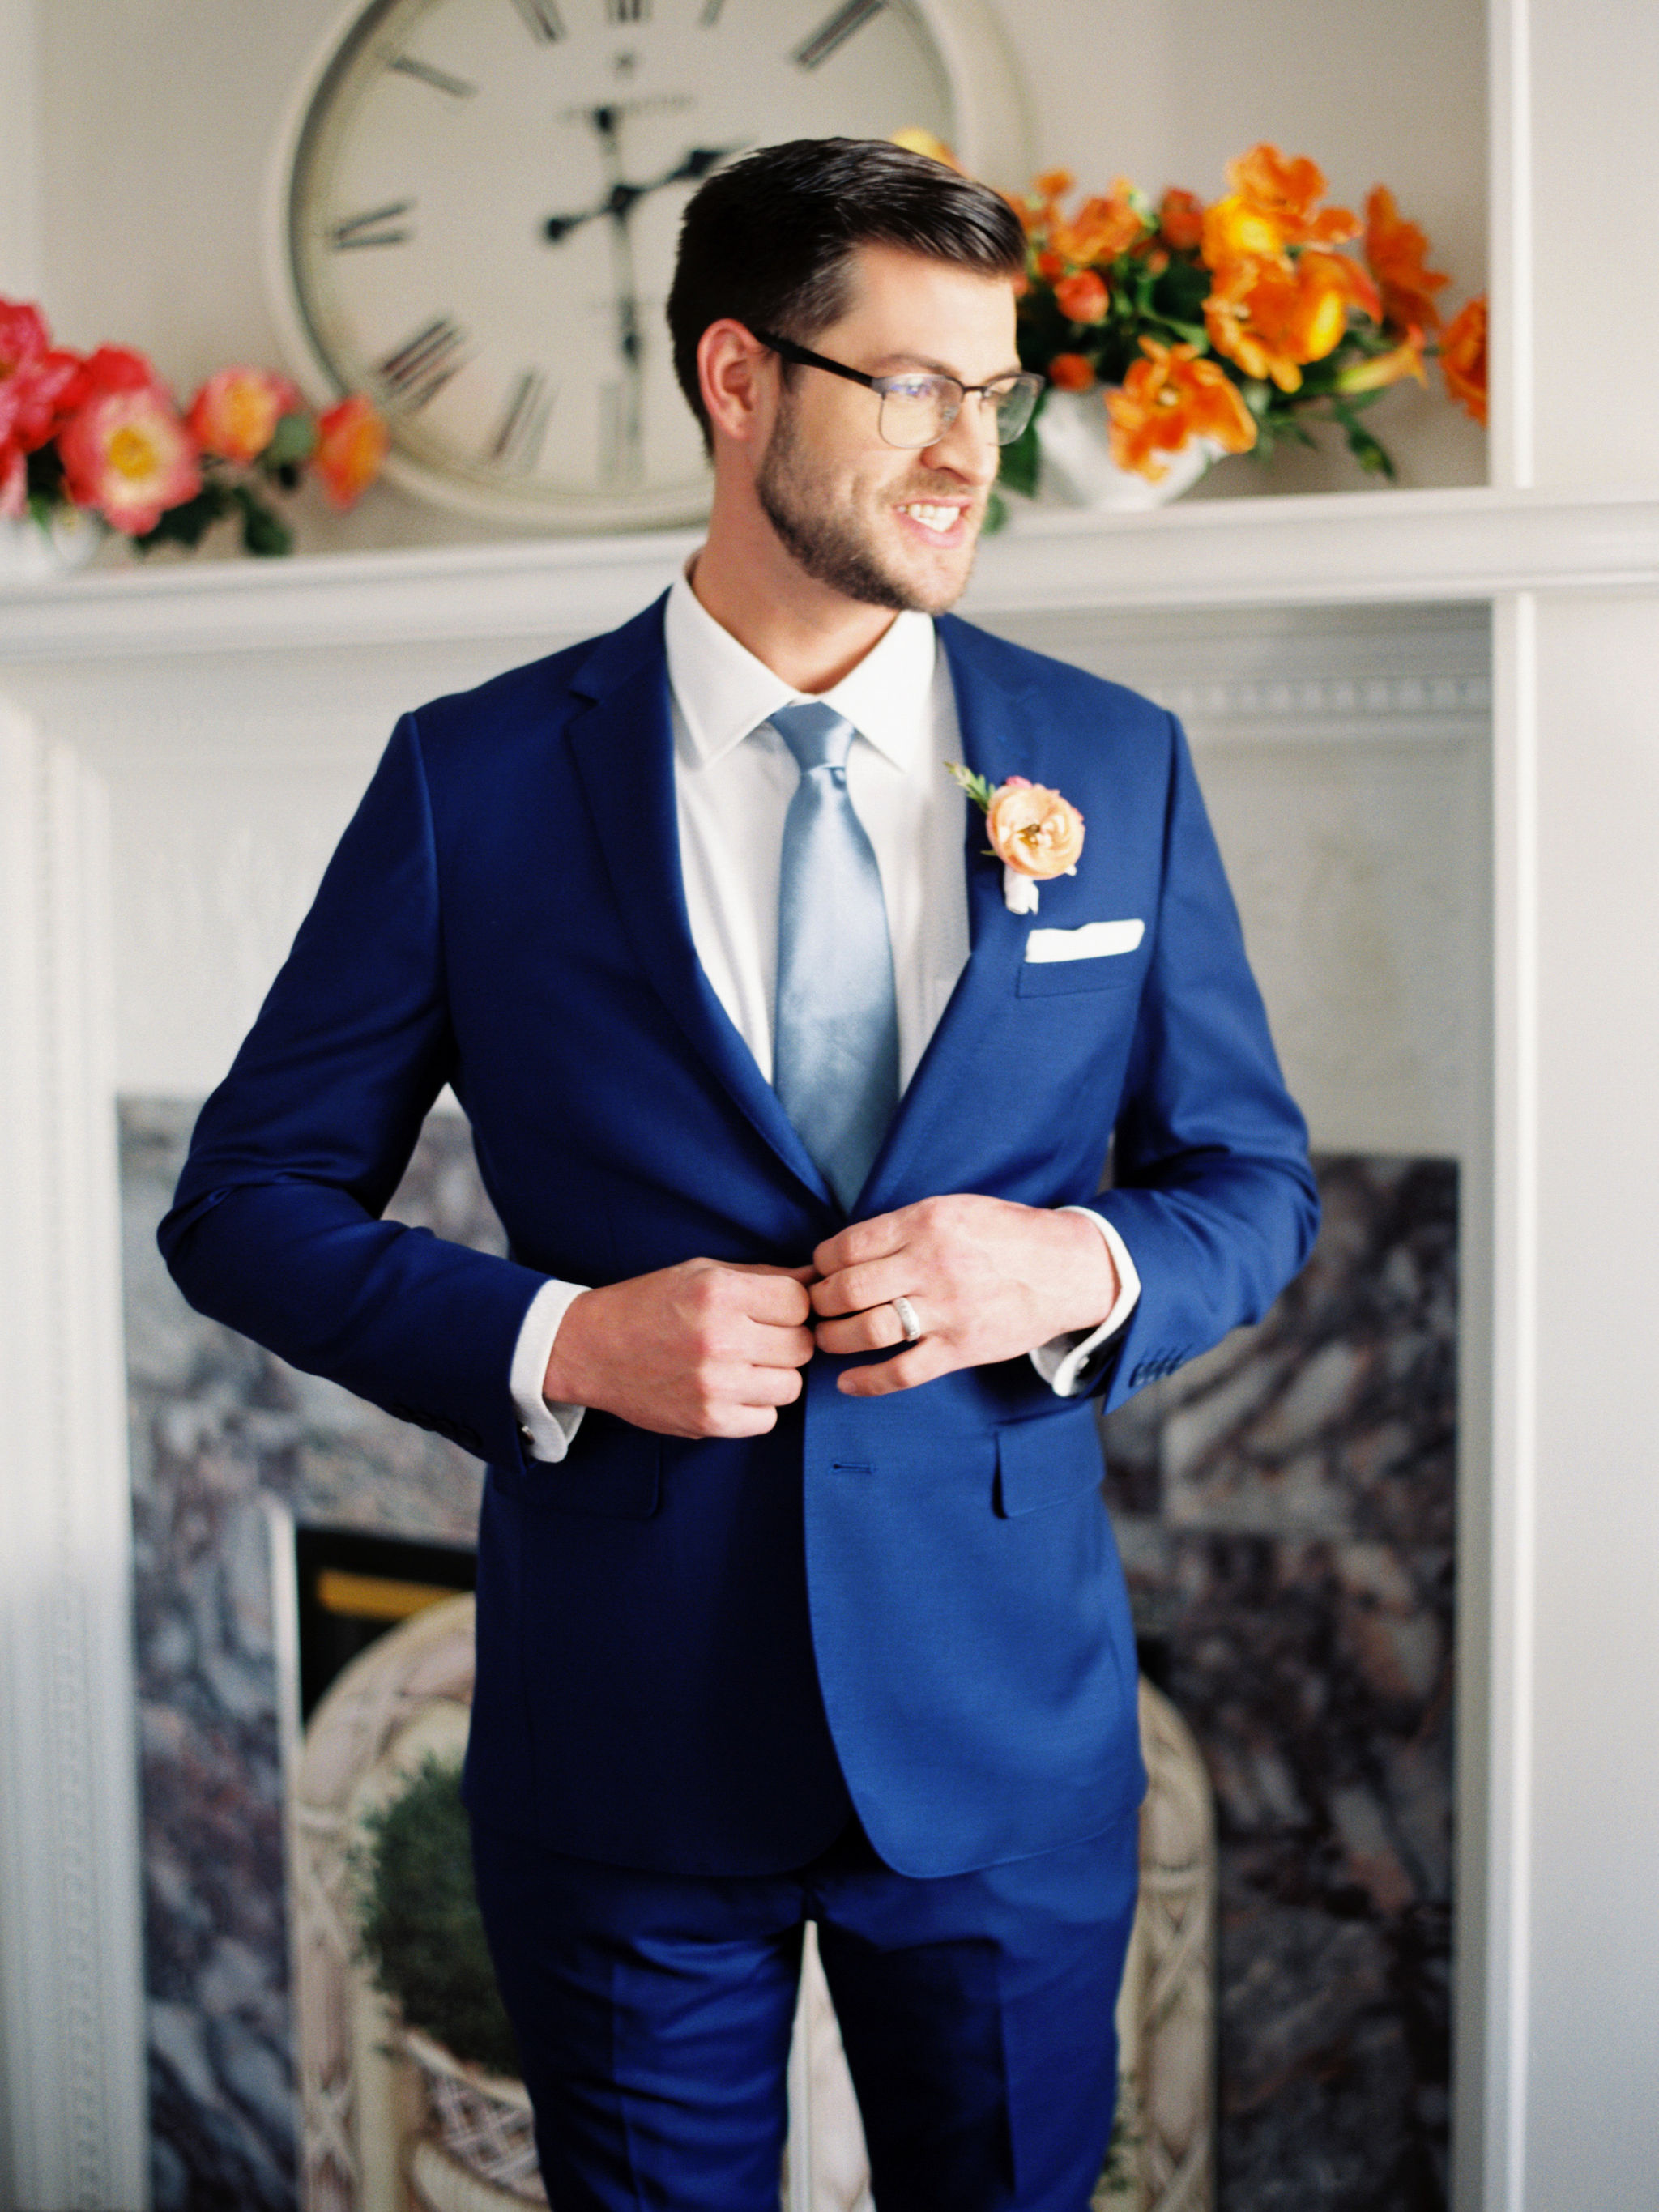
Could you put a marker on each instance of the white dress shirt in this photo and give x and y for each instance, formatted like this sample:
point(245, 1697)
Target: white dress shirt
point(734, 779)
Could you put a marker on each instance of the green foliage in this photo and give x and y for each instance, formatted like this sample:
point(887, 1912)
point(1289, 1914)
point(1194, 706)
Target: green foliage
point(188, 523)
point(264, 530)
point(294, 440)
point(419, 1921)
point(1021, 461)
point(1372, 456)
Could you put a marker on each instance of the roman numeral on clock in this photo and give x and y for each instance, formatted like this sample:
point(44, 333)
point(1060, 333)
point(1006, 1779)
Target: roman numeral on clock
point(834, 32)
point(381, 226)
point(417, 372)
point(517, 444)
point(541, 19)
point(628, 11)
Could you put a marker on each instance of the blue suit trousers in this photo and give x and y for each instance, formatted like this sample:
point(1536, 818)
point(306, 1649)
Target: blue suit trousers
point(653, 2013)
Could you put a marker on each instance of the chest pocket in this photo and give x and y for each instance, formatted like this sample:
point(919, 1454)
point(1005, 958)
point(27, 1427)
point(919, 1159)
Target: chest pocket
point(1097, 956)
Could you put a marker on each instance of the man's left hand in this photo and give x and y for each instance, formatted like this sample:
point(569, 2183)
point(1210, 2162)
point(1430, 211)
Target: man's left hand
point(987, 1280)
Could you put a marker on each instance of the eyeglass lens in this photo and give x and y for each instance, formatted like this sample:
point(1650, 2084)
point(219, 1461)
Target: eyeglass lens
point(917, 411)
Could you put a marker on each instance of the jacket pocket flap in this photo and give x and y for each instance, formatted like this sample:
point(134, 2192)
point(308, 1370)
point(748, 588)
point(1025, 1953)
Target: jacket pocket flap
point(1045, 1462)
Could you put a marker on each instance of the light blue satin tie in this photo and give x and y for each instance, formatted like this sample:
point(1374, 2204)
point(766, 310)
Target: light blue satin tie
point(835, 1041)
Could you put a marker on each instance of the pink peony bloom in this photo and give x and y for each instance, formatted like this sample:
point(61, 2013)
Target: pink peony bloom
point(110, 368)
point(126, 453)
point(236, 412)
point(351, 444)
point(23, 335)
point(34, 379)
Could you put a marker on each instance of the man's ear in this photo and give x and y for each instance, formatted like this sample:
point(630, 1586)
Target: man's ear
point(738, 377)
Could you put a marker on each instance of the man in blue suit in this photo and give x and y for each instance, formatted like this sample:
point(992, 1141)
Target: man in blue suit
point(796, 1594)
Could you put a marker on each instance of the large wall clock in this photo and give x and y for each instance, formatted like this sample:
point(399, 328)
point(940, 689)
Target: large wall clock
point(476, 204)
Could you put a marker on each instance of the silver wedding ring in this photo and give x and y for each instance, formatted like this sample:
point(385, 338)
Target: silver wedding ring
point(907, 1319)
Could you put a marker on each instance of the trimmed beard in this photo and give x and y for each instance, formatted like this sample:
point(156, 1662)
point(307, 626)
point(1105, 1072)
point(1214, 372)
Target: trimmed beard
point(831, 549)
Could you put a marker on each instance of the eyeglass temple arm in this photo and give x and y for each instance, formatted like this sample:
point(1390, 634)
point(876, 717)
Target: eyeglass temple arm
point(788, 350)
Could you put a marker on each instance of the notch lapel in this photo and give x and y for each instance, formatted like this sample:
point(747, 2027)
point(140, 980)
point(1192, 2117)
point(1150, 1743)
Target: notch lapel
point(623, 747)
point(993, 720)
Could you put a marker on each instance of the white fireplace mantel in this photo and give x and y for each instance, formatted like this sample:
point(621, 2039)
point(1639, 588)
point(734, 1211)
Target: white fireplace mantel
point(1353, 549)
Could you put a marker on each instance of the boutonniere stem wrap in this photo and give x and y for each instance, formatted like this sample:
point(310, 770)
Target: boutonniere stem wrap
point(1035, 833)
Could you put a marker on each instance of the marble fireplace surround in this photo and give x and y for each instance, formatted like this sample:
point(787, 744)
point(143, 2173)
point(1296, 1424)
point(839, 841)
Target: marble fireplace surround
point(178, 750)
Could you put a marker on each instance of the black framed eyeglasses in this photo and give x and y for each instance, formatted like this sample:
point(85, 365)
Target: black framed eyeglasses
point(918, 406)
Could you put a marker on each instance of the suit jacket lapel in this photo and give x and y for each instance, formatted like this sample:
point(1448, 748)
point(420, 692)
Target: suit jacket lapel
point(994, 723)
point(623, 747)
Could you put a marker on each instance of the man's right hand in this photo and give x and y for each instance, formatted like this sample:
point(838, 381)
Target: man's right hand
point(705, 1349)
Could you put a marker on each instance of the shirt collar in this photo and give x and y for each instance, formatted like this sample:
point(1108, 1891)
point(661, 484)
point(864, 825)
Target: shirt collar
point(723, 692)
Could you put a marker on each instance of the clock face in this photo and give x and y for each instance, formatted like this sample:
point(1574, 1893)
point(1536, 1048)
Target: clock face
point(482, 206)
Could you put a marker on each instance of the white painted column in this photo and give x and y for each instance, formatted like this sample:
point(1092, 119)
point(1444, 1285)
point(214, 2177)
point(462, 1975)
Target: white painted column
point(73, 2121)
point(1572, 1971)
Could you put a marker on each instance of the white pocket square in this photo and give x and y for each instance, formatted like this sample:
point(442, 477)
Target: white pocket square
point(1093, 941)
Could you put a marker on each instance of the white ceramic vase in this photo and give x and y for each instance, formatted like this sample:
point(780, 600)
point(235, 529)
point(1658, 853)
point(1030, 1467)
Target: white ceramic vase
point(29, 555)
point(1077, 469)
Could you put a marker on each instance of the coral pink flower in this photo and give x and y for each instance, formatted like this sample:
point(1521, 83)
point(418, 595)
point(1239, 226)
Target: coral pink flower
point(126, 453)
point(1033, 830)
point(235, 413)
point(351, 444)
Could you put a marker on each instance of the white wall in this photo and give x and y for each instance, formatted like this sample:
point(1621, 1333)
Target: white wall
point(158, 117)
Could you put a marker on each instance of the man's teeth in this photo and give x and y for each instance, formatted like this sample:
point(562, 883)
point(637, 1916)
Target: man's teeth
point(933, 517)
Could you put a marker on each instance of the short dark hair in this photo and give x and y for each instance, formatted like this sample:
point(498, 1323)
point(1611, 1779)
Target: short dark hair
point(768, 241)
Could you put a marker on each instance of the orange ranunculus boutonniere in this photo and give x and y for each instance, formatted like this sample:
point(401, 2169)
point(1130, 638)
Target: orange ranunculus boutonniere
point(1035, 833)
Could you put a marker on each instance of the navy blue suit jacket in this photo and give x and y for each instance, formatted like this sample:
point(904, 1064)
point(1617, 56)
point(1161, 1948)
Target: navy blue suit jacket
point(692, 1655)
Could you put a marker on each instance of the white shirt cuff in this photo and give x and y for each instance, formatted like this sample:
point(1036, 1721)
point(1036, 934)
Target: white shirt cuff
point(1059, 1361)
point(547, 1430)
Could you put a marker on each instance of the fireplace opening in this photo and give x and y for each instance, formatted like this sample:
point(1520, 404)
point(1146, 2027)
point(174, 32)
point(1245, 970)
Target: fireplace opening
point(352, 1587)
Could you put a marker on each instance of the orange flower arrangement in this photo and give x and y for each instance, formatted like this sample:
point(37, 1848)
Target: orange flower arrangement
point(1168, 399)
point(1232, 322)
point(1463, 357)
point(101, 433)
point(1274, 318)
point(1394, 250)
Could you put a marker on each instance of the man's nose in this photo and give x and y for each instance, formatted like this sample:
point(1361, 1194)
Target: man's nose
point(969, 446)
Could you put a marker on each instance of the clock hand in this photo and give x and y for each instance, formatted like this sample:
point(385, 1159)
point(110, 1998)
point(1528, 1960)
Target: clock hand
point(619, 201)
point(619, 205)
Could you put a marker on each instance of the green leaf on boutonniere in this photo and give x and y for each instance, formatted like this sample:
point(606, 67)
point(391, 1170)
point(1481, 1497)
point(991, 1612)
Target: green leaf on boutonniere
point(976, 788)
